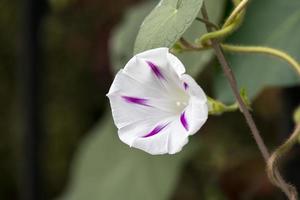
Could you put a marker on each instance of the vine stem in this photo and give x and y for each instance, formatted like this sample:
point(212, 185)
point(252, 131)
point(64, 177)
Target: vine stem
point(240, 7)
point(264, 50)
point(230, 25)
point(232, 81)
point(273, 162)
point(247, 49)
point(216, 34)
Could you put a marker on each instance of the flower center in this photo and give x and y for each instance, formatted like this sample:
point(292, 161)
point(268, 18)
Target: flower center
point(180, 102)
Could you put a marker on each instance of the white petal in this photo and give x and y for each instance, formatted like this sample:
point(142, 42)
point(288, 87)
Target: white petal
point(193, 88)
point(162, 57)
point(126, 85)
point(196, 112)
point(170, 139)
point(149, 136)
point(125, 113)
point(176, 64)
point(169, 68)
point(155, 145)
point(158, 56)
point(178, 137)
point(128, 134)
point(139, 70)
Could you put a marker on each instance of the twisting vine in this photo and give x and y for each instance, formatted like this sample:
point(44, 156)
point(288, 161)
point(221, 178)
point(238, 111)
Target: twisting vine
point(274, 161)
point(186, 46)
point(264, 50)
point(231, 78)
point(237, 13)
point(212, 40)
point(230, 25)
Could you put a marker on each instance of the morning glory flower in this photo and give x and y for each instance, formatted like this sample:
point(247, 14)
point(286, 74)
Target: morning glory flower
point(155, 105)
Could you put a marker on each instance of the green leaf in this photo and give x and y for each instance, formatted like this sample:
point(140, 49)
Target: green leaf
point(272, 23)
point(105, 168)
point(166, 23)
point(124, 35)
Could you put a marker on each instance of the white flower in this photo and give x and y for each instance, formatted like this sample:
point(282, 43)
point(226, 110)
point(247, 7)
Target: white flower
point(155, 105)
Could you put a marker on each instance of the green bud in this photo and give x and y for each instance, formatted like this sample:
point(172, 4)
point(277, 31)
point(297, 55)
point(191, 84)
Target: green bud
point(218, 108)
point(296, 118)
point(245, 98)
point(176, 48)
point(297, 115)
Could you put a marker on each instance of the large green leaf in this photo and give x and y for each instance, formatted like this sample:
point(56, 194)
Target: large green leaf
point(122, 41)
point(166, 23)
point(107, 169)
point(273, 23)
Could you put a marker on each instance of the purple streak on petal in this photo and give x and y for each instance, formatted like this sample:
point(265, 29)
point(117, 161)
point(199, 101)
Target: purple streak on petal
point(136, 100)
point(155, 70)
point(185, 85)
point(155, 131)
point(183, 121)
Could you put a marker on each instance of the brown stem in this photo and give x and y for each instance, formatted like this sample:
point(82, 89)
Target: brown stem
point(190, 47)
point(207, 22)
point(273, 162)
point(231, 78)
point(233, 84)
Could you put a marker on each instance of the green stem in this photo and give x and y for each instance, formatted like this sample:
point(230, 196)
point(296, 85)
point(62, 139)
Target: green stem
point(234, 14)
point(187, 46)
point(217, 107)
point(204, 39)
point(264, 50)
point(236, 2)
point(248, 49)
point(230, 25)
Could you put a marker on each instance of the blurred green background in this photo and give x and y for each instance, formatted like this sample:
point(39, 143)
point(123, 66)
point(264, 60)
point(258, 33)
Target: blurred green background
point(84, 43)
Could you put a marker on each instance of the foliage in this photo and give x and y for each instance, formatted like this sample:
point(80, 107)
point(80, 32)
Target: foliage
point(123, 39)
point(166, 24)
point(272, 23)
